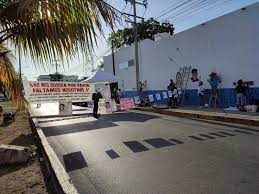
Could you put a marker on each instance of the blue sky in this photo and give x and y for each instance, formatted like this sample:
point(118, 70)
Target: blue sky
point(190, 14)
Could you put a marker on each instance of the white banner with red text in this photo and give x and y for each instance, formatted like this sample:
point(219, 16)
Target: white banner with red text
point(45, 92)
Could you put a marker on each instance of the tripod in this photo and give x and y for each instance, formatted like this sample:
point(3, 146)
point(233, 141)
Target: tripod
point(214, 95)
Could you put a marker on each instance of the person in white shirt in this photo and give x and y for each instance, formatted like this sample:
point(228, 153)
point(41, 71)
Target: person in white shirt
point(175, 97)
point(201, 94)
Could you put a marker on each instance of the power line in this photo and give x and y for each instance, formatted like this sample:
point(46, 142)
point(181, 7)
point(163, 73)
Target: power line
point(197, 9)
point(187, 8)
point(162, 12)
point(209, 8)
point(174, 8)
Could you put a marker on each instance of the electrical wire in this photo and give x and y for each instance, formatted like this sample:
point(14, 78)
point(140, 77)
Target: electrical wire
point(174, 8)
point(162, 12)
point(202, 11)
point(187, 8)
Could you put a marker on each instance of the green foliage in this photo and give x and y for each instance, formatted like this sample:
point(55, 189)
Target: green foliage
point(146, 30)
point(32, 151)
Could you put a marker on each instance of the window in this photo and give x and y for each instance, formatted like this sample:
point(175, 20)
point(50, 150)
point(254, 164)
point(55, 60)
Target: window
point(127, 64)
point(131, 63)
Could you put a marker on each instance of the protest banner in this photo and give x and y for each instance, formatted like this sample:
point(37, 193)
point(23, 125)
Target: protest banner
point(165, 95)
point(65, 108)
point(110, 106)
point(151, 98)
point(136, 100)
point(44, 92)
point(158, 96)
point(126, 103)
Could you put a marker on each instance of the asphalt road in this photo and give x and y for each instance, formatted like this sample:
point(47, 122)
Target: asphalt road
point(132, 152)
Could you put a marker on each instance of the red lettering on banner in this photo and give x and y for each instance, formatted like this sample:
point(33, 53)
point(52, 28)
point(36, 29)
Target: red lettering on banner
point(72, 89)
point(36, 90)
point(51, 90)
point(71, 85)
point(44, 84)
point(36, 84)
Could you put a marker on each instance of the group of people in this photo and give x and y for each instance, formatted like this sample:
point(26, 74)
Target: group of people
point(176, 97)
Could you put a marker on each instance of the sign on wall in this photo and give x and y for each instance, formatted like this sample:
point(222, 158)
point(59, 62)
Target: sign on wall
point(151, 98)
point(40, 92)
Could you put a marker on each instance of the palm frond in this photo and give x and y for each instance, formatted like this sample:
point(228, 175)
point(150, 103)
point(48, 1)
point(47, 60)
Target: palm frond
point(9, 78)
point(50, 29)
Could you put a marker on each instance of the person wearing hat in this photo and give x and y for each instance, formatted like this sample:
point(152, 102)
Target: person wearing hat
point(214, 81)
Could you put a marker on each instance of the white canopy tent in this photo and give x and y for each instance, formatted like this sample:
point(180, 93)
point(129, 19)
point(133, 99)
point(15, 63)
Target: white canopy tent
point(102, 77)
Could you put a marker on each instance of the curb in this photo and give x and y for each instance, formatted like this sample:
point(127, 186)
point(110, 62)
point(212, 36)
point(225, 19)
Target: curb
point(54, 116)
point(206, 116)
point(60, 178)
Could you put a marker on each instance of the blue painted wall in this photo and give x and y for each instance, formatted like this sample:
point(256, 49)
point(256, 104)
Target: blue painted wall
point(227, 96)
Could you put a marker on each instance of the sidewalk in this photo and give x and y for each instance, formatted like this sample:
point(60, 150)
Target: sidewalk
point(209, 114)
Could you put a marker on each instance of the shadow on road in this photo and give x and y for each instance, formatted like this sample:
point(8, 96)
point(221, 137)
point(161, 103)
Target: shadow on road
point(78, 127)
point(106, 121)
point(128, 116)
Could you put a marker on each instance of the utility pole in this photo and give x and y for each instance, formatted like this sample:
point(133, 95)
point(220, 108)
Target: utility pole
point(113, 59)
point(136, 36)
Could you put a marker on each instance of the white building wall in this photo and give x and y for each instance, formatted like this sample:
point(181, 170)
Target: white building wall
point(229, 45)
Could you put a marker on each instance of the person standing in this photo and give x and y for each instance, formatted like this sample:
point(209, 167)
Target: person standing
point(240, 94)
point(118, 96)
point(201, 94)
point(95, 98)
point(171, 87)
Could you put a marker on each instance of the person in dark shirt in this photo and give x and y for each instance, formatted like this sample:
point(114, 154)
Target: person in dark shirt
point(171, 87)
point(240, 94)
point(95, 98)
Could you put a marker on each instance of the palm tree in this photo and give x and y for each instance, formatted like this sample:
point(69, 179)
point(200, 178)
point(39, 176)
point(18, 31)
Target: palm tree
point(49, 29)
point(8, 77)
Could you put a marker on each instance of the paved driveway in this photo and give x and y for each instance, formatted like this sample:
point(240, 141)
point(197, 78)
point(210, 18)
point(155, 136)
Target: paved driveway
point(133, 152)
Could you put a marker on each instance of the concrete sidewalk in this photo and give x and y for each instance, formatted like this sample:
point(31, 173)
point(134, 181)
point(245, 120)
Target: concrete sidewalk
point(209, 114)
